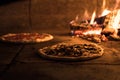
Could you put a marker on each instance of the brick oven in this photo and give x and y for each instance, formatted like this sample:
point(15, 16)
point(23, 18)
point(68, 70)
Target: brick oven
point(21, 61)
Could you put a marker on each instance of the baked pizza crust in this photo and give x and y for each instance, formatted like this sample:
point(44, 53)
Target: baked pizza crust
point(42, 53)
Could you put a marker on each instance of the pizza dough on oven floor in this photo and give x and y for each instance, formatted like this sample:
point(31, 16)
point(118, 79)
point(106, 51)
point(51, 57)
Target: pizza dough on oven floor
point(71, 52)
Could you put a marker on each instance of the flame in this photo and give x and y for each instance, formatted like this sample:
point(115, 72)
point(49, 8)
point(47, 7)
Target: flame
point(86, 15)
point(104, 9)
point(95, 31)
point(93, 18)
point(116, 22)
point(104, 4)
point(76, 18)
point(105, 12)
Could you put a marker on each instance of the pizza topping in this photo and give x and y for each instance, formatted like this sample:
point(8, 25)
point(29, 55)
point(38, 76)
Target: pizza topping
point(72, 50)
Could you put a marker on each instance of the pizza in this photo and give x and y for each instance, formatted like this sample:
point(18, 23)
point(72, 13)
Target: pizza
point(26, 37)
point(71, 52)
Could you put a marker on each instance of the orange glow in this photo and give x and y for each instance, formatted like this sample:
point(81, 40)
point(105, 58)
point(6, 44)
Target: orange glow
point(104, 9)
point(116, 20)
point(86, 15)
point(105, 12)
point(76, 18)
point(104, 4)
point(95, 31)
point(116, 23)
point(113, 22)
point(93, 18)
point(117, 4)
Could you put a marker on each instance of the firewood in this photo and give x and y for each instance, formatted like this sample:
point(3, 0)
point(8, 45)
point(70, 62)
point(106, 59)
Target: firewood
point(110, 24)
point(108, 31)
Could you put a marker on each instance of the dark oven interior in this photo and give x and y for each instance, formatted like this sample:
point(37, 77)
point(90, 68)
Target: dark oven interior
point(21, 61)
point(35, 15)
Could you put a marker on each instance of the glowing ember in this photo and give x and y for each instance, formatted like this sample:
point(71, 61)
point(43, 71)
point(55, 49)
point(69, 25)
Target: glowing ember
point(97, 31)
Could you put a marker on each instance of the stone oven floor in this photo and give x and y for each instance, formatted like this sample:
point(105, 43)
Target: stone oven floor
point(21, 62)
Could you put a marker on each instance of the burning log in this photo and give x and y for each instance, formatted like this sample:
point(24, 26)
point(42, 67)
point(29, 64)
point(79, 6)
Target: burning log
point(102, 29)
point(85, 30)
point(83, 26)
point(112, 24)
point(108, 31)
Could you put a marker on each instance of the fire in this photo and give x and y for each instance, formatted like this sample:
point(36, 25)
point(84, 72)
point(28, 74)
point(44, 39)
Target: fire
point(94, 31)
point(112, 23)
point(116, 23)
point(76, 18)
point(93, 18)
point(105, 12)
point(117, 4)
point(100, 27)
point(104, 4)
point(114, 20)
point(86, 15)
